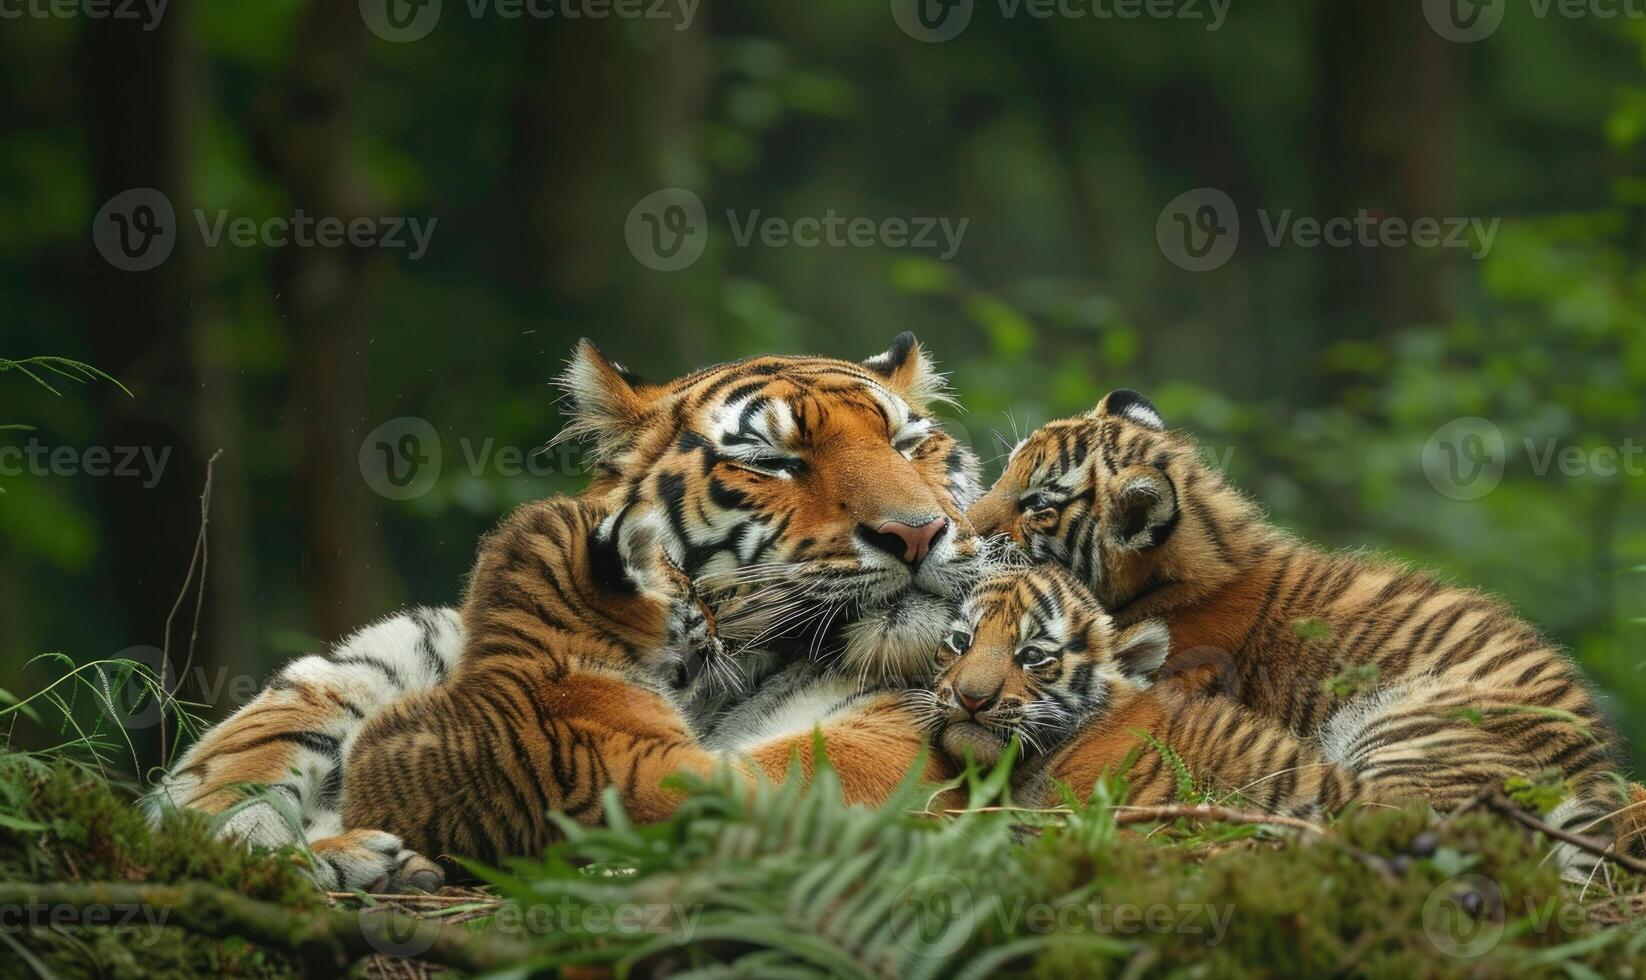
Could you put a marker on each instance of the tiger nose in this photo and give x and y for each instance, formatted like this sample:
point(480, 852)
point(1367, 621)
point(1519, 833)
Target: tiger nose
point(910, 542)
point(973, 703)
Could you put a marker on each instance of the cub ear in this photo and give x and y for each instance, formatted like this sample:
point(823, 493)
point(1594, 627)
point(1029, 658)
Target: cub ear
point(910, 373)
point(1128, 404)
point(604, 400)
point(1141, 511)
point(1141, 649)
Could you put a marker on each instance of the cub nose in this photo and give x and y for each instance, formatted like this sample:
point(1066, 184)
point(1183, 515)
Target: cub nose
point(974, 702)
point(909, 542)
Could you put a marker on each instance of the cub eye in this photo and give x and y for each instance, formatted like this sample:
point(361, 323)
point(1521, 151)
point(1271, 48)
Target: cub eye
point(957, 642)
point(1032, 658)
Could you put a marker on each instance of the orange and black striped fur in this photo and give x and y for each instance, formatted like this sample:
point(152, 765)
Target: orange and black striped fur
point(1463, 694)
point(823, 495)
point(291, 740)
point(818, 492)
point(581, 634)
point(1032, 654)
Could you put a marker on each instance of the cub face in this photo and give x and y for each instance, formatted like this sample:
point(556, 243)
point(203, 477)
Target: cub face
point(1098, 494)
point(1032, 654)
point(687, 641)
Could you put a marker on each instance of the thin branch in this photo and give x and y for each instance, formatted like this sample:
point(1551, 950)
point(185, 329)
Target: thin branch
point(200, 558)
point(1599, 848)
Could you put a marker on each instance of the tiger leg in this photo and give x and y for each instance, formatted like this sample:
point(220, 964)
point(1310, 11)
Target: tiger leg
point(476, 767)
point(373, 861)
point(291, 740)
point(1212, 742)
point(872, 747)
point(1436, 742)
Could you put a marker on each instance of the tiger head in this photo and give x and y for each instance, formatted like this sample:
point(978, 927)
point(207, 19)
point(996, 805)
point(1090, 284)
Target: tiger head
point(819, 493)
point(1128, 505)
point(1032, 654)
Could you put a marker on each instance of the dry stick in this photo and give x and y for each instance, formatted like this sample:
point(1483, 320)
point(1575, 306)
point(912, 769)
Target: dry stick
point(1124, 815)
point(1597, 848)
point(427, 899)
point(1204, 811)
point(325, 940)
point(198, 557)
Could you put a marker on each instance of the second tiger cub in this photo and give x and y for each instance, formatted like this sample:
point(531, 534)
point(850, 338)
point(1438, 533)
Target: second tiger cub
point(1033, 654)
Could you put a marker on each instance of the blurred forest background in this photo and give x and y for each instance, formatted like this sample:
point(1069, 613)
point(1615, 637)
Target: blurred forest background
point(1318, 375)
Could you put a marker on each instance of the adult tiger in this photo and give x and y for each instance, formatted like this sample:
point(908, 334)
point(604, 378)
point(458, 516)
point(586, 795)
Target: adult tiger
point(816, 489)
point(1467, 694)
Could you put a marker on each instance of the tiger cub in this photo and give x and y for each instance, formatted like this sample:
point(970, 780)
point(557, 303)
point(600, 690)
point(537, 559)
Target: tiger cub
point(1464, 694)
point(1032, 654)
point(582, 638)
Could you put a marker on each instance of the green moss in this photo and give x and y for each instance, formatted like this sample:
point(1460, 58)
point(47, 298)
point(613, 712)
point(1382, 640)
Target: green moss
point(66, 825)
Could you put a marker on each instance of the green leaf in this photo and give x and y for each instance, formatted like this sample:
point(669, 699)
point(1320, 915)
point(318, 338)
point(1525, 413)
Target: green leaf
point(18, 823)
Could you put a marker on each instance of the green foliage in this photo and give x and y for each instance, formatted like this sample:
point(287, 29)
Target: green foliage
point(60, 822)
point(1355, 680)
point(785, 883)
point(1539, 793)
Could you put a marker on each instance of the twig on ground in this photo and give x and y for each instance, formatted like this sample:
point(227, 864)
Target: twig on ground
point(1599, 848)
point(199, 557)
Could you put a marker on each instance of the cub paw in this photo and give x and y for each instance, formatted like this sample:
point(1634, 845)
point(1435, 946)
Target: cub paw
point(374, 861)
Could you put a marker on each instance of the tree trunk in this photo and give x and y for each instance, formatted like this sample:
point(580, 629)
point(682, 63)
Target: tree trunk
point(140, 324)
point(303, 129)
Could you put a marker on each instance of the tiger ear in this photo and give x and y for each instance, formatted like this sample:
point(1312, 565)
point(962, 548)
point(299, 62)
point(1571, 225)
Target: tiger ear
point(1127, 404)
point(1141, 511)
point(1141, 649)
point(604, 400)
point(910, 373)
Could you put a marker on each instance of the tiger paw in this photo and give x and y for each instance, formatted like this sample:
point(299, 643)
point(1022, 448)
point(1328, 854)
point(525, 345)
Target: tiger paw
point(375, 861)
